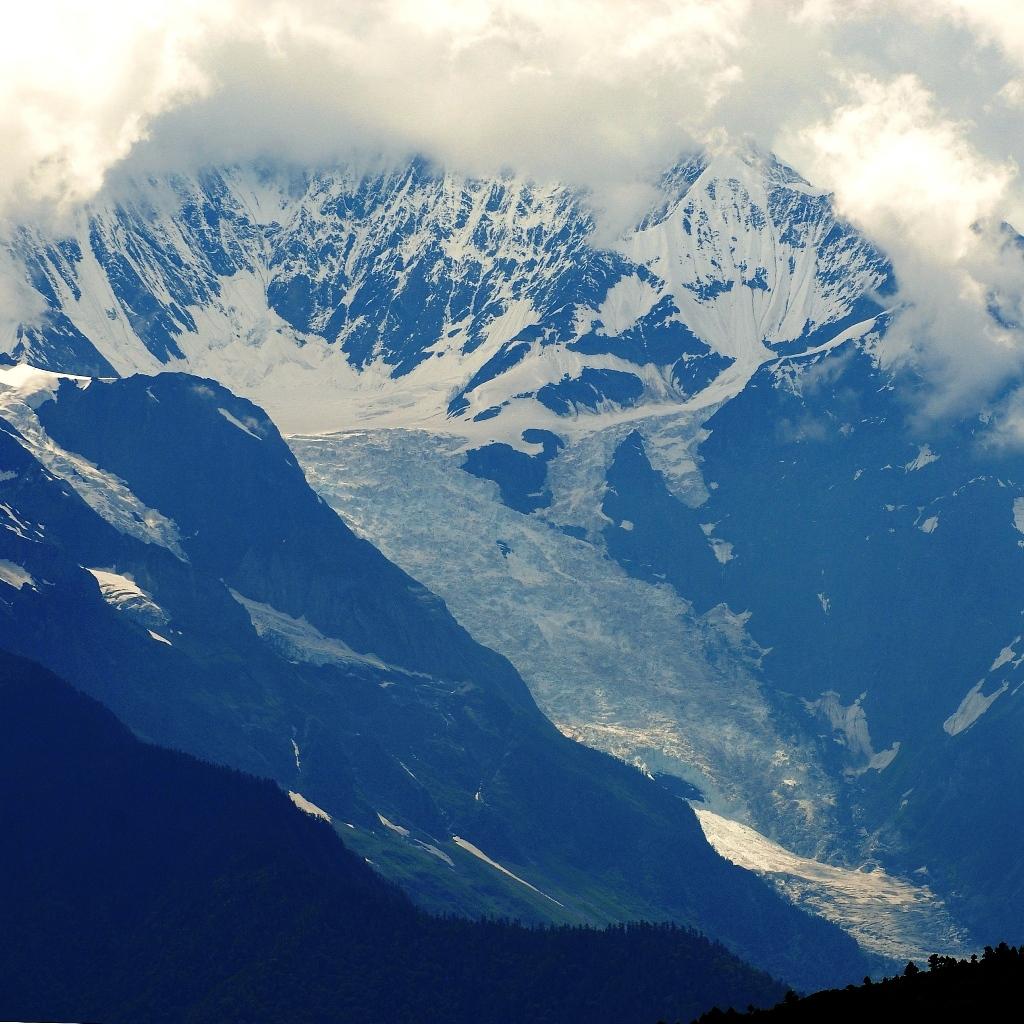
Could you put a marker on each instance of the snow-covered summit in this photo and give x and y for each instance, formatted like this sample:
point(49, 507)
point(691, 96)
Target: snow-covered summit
point(414, 297)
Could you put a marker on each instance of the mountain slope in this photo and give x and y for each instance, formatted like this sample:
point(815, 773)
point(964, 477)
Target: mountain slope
point(140, 884)
point(880, 561)
point(878, 558)
point(182, 571)
point(804, 569)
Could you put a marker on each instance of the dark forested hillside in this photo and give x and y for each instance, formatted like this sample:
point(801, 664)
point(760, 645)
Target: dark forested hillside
point(137, 883)
point(989, 988)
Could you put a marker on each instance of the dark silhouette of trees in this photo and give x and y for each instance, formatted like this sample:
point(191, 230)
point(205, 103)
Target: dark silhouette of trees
point(989, 988)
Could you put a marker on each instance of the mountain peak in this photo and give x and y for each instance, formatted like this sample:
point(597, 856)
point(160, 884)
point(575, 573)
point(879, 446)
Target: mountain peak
point(416, 297)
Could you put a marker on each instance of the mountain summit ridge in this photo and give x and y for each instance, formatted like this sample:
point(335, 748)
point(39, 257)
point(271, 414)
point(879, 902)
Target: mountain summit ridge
point(418, 297)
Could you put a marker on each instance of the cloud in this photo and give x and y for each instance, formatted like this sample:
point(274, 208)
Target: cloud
point(596, 92)
point(570, 89)
point(80, 84)
point(912, 111)
point(19, 301)
point(896, 163)
point(909, 177)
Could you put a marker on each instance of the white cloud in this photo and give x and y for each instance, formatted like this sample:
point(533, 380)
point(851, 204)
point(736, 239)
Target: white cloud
point(80, 84)
point(482, 83)
point(910, 110)
point(19, 302)
point(1012, 93)
point(897, 165)
point(909, 177)
point(590, 90)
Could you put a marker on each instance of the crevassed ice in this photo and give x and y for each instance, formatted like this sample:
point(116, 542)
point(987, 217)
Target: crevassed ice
point(616, 662)
point(886, 915)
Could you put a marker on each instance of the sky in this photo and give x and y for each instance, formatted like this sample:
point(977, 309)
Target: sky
point(910, 111)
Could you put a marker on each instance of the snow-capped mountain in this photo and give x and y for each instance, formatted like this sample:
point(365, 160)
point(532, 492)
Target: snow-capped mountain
point(670, 479)
point(417, 298)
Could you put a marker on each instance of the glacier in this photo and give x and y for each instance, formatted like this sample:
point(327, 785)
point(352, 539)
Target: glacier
point(889, 916)
point(615, 662)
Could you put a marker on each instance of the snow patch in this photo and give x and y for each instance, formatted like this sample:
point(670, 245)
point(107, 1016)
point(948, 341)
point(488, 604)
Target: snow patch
point(1018, 514)
point(884, 758)
point(850, 724)
point(122, 593)
point(434, 851)
point(308, 806)
point(721, 549)
point(36, 386)
point(398, 829)
point(1006, 655)
point(238, 423)
point(466, 845)
point(629, 299)
point(302, 641)
point(971, 708)
point(24, 528)
point(15, 575)
point(925, 456)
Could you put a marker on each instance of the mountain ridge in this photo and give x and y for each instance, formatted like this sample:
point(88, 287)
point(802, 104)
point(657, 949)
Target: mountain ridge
point(419, 297)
